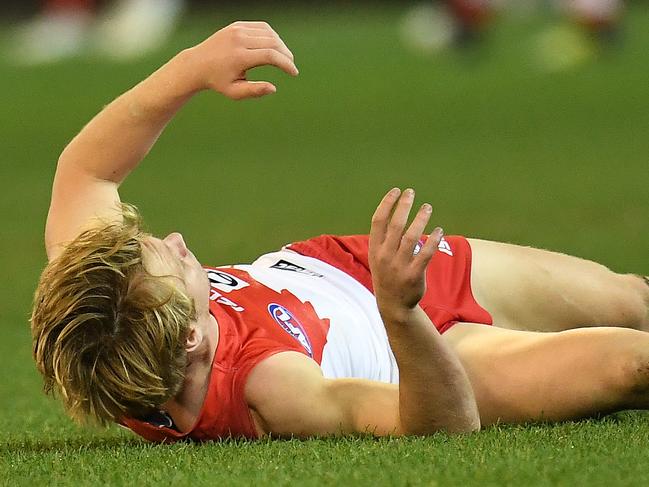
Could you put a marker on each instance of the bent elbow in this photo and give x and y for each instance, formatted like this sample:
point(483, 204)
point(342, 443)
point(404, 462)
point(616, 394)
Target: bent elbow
point(469, 422)
point(471, 425)
point(451, 426)
point(464, 427)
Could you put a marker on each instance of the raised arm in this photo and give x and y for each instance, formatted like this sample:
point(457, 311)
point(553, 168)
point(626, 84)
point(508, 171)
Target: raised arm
point(434, 392)
point(100, 157)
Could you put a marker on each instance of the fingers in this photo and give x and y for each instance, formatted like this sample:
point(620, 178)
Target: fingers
point(381, 217)
point(399, 219)
point(271, 57)
point(429, 248)
point(269, 43)
point(260, 35)
point(416, 229)
point(262, 29)
point(260, 39)
point(389, 223)
point(255, 24)
point(240, 90)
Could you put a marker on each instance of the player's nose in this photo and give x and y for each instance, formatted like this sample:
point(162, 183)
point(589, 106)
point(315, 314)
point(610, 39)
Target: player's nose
point(176, 242)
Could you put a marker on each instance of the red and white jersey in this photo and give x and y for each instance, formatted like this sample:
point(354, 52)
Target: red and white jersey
point(313, 297)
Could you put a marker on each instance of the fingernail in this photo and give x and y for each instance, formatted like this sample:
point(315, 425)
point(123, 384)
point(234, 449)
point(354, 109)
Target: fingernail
point(395, 191)
point(409, 192)
point(427, 208)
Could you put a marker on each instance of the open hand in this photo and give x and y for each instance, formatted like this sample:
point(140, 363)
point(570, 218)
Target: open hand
point(398, 271)
point(221, 62)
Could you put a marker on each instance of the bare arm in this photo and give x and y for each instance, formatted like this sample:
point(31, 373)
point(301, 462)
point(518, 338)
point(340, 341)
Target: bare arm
point(434, 390)
point(94, 164)
point(291, 397)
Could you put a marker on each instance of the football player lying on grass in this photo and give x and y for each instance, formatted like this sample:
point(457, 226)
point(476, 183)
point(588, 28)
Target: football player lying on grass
point(393, 334)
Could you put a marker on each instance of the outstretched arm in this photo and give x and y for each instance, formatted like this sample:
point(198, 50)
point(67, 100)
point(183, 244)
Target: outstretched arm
point(97, 160)
point(291, 397)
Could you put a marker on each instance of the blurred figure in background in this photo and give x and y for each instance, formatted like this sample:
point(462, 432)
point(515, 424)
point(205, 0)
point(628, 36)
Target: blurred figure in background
point(126, 29)
point(470, 17)
point(595, 26)
point(598, 17)
point(592, 24)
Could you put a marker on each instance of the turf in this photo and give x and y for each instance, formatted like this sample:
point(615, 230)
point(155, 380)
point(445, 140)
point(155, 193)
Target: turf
point(501, 150)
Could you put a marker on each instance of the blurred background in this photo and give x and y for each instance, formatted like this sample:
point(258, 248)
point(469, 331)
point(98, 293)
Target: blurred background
point(519, 121)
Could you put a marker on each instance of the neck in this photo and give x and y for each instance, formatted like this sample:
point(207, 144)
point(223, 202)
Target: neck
point(186, 406)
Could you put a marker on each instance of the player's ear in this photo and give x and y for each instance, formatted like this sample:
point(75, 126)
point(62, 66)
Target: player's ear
point(194, 338)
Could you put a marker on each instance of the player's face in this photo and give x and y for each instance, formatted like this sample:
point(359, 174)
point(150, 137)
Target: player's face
point(171, 257)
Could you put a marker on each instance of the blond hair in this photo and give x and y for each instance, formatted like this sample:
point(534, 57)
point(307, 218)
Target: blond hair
point(107, 335)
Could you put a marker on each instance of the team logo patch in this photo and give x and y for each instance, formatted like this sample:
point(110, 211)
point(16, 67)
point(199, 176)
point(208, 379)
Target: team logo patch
point(291, 325)
point(221, 282)
point(225, 282)
point(445, 247)
point(442, 247)
point(285, 265)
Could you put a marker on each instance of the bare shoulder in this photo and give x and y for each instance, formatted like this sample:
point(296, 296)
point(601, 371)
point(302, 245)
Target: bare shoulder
point(280, 388)
point(280, 373)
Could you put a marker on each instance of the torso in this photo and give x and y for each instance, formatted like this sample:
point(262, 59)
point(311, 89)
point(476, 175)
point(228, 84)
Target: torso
point(285, 302)
point(354, 343)
point(326, 315)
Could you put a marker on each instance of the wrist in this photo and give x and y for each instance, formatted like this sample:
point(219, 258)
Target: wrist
point(398, 314)
point(183, 71)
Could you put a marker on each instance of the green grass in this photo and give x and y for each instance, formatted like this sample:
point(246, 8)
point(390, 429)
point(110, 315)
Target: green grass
point(598, 453)
point(500, 149)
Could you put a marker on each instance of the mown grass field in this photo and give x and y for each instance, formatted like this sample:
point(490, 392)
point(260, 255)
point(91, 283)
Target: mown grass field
point(501, 150)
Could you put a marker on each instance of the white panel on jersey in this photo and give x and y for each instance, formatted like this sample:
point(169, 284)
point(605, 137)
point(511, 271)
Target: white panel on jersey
point(357, 344)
